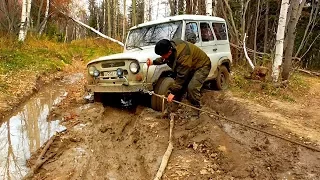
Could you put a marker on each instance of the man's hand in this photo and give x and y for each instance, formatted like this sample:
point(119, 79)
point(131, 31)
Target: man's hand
point(149, 62)
point(170, 97)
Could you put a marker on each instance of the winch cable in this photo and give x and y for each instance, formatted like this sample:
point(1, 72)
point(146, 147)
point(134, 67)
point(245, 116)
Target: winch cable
point(235, 122)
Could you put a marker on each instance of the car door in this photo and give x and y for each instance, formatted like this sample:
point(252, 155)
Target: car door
point(209, 44)
point(192, 27)
point(220, 31)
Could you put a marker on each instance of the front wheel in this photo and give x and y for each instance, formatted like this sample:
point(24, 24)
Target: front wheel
point(222, 81)
point(161, 88)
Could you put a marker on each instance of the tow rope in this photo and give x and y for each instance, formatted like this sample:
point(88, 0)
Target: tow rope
point(233, 121)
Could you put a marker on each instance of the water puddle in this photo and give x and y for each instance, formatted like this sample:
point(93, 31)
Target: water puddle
point(28, 128)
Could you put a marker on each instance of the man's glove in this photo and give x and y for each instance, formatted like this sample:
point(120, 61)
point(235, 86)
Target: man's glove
point(149, 62)
point(170, 97)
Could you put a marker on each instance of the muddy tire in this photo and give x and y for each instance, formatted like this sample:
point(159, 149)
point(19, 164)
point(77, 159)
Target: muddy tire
point(222, 81)
point(161, 88)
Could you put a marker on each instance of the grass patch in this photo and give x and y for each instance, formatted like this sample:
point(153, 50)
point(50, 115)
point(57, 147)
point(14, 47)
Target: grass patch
point(265, 91)
point(42, 56)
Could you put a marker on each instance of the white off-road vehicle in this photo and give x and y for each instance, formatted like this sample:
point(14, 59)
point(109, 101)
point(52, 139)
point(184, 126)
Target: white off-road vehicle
point(127, 72)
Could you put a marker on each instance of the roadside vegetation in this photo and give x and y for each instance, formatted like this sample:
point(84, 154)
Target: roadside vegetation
point(262, 91)
point(25, 66)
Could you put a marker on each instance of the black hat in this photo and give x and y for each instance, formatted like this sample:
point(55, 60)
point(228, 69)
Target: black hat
point(162, 47)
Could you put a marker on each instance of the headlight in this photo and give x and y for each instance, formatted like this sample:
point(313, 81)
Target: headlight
point(91, 70)
point(96, 73)
point(134, 67)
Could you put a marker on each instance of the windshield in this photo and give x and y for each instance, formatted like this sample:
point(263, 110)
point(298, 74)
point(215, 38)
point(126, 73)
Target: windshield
point(150, 35)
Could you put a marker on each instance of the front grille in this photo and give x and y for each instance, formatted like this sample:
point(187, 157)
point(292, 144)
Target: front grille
point(113, 64)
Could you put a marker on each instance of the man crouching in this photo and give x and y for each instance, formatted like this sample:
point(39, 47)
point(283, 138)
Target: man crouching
point(191, 66)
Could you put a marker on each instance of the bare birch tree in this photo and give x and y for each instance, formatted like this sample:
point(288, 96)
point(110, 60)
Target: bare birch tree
point(109, 17)
point(279, 40)
point(43, 24)
point(124, 20)
point(209, 8)
point(146, 10)
point(25, 19)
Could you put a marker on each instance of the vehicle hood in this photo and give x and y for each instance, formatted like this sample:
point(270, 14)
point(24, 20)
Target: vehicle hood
point(139, 55)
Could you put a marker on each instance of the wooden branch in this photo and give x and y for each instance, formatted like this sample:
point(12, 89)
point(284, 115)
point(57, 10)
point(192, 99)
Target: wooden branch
point(37, 166)
point(167, 154)
point(45, 149)
point(309, 72)
point(40, 161)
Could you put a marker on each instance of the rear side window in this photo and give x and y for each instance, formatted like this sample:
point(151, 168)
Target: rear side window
point(220, 31)
point(192, 27)
point(206, 32)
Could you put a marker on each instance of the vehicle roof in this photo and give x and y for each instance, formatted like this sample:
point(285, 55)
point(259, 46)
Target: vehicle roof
point(179, 17)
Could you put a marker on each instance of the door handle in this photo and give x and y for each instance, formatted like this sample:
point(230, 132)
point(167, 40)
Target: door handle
point(215, 49)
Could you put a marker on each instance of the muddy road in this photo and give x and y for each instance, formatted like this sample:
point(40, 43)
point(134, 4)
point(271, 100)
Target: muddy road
point(103, 141)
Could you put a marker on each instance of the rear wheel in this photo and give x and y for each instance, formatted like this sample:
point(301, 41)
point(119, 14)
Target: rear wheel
point(161, 88)
point(222, 81)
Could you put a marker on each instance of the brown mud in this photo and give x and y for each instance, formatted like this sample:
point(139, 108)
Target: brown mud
point(106, 142)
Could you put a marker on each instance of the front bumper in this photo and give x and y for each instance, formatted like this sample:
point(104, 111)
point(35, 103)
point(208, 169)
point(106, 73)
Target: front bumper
point(117, 88)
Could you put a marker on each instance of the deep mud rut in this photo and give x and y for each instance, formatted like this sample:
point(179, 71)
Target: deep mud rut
point(106, 142)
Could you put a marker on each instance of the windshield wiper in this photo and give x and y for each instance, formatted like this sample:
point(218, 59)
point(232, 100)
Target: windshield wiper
point(134, 46)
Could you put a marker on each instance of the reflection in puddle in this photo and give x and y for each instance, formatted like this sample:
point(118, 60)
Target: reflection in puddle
point(28, 129)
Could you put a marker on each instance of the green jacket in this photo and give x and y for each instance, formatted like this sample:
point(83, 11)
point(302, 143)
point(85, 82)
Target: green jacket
point(187, 59)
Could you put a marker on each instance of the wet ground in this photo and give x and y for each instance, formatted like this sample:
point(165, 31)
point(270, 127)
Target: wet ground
point(107, 142)
point(28, 128)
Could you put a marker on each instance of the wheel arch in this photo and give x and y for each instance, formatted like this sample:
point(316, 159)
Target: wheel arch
point(225, 61)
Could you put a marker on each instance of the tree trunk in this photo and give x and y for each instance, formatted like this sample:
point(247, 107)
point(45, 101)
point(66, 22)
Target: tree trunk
point(312, 19)
point(104, 17)
point(109, 17)
point(255, 34)
point(134, 12)
point(97, 19)
point(279, 40)
point(202, 7)
point(26, 6)
point(124, 21)
point(115, 18)
point(146, 10)
point(39, 14)
point(188, 7)
point(266, 26)
point(173, 9)
point(28, 15)
point(43, 24)
point(181, 6)
point(244, 12)
point(215, 8)
point(209, 8)
point(234, 28)
point(295, 16)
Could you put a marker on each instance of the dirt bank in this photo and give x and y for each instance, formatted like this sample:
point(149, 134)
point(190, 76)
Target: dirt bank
point(105, 142)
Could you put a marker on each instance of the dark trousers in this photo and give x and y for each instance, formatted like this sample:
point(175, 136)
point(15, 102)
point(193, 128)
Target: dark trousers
point(194, 85)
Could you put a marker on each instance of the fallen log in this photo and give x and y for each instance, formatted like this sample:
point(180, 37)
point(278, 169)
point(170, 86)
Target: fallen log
point(309, 72)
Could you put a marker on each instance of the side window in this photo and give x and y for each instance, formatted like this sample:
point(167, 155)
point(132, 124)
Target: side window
point(206, 32)
point(191, 30)
point(220, 31)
